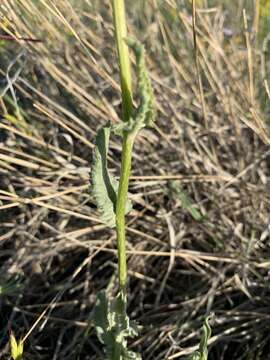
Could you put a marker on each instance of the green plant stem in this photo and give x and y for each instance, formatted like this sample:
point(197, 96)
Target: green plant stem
point(123, 54)
point(127, 146)
point(126, 87)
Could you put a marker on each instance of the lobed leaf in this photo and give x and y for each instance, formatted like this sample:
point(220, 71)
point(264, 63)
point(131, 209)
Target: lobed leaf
point(113, 327)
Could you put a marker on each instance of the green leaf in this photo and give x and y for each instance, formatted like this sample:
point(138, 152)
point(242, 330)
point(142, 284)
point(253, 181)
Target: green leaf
point(202, 353)
point(104, 187)
point(16, 348)
point(195, 356)
point(113, 327)
point(186, 203)
point(145, 114)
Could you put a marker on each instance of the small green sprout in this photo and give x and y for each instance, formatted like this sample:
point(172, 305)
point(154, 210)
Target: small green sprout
point(16, 348)
point(202, 353)
point(186, 202)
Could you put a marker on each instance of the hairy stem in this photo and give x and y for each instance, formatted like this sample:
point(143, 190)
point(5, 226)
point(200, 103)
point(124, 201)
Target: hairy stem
point(126, 87)
point(127, 146)
point(123, 54)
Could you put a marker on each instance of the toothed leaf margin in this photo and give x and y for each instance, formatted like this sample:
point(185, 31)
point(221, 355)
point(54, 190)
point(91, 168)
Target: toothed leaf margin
point(145, 114)
point(104, 186)
point(113, 327)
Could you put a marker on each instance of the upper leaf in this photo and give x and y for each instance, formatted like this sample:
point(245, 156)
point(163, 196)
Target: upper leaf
point(145, 114)
point(104, 187)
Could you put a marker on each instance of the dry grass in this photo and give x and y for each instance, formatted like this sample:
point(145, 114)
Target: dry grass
point(57, 93)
